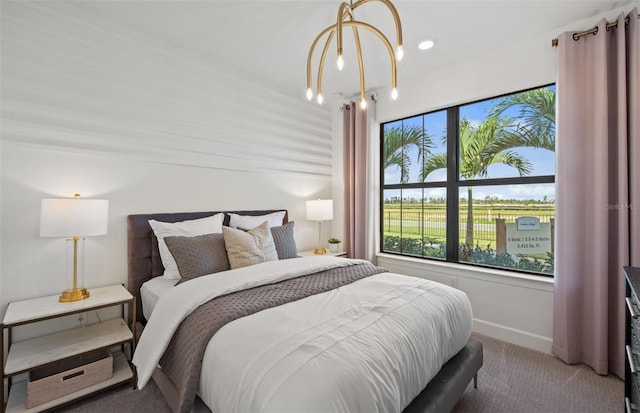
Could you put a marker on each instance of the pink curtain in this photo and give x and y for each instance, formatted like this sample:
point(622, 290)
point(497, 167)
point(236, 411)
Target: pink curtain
point(598, 192)
point(355, 179)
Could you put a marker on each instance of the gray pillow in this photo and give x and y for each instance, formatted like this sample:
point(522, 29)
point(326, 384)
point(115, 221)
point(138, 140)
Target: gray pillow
point(199, 255)
point(285, 244)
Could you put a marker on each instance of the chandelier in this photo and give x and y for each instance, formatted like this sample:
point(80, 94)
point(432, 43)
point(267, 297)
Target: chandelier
point(346, 19)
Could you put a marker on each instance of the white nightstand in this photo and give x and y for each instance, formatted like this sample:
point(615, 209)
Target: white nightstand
point(24, 356)
point(310, 253)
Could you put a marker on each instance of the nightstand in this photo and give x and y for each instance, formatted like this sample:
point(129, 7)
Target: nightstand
point(309, 253)
point(25, 356)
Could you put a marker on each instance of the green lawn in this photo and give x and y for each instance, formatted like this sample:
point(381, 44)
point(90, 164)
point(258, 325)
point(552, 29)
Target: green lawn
point(429, 223)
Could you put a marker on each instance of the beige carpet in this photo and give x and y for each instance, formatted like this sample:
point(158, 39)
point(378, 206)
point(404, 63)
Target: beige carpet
point(515, 379)
point(512, 380)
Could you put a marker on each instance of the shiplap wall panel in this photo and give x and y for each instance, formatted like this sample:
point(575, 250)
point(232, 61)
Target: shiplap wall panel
point(94, 107)
point(75, 81)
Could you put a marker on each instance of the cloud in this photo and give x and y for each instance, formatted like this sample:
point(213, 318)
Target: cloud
point(392, 175)
point(412, 193)
point(481, 195)
point(475, 123)
point(522, 192)
point(532, 191)
point(435, 193)
point(437, 176)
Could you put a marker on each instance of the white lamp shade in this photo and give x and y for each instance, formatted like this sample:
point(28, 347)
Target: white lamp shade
point(320, 210)
point(73, 217)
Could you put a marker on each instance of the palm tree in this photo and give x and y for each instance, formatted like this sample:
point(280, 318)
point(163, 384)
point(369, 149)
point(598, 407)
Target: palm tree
point(398, 142)
point(537, 118)
point(480, 147)
point(533, 127)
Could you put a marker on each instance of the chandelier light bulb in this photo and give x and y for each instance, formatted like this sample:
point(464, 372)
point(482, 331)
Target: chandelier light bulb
point(320, 99)
point(394, 93)
point(363, 103)
point(340, 62)
point(309, 94)
point(400, 53)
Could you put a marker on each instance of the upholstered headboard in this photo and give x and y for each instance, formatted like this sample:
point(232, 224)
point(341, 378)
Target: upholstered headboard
point(143, 257)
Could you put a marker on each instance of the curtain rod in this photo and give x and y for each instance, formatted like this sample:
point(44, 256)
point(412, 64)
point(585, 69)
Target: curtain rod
point(576, 36)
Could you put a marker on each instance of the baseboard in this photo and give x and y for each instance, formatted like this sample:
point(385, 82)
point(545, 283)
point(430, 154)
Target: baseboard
point(513, 336)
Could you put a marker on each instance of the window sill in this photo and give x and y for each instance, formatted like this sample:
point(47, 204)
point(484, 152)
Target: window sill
point(468, 271)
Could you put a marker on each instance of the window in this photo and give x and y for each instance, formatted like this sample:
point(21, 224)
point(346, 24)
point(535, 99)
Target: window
point(473, 183)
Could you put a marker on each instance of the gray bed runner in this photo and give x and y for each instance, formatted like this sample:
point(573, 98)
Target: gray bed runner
point(182, 361)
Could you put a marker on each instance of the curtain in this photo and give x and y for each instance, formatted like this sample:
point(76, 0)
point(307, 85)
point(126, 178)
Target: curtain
point(598, 192)
point(359, 206)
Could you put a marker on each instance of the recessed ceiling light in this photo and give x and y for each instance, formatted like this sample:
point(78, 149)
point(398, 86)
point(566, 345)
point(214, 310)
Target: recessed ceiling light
point(426, 45)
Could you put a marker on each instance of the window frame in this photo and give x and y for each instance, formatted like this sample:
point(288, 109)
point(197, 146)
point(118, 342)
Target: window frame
point(452, 185)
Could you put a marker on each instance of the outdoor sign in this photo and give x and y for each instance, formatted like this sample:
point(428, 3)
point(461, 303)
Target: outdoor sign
point(528, 224)
point(528, 236)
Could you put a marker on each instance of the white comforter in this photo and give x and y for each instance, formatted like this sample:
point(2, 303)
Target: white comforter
point(370, 346)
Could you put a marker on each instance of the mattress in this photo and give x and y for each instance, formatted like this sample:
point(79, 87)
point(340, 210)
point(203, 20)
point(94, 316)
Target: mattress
point(151, 291)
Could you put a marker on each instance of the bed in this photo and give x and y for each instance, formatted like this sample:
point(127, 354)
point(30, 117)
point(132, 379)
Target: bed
point(145, 271)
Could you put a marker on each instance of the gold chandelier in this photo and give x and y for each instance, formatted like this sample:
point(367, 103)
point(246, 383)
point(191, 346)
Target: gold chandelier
point(346, 18)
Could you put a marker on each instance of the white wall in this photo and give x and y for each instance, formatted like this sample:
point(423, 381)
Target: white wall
point(512, 308)
point(92, 107)
point(529, 63)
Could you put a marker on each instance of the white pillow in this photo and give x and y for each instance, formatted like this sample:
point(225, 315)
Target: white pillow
point(251, 247)
point(189, 228)
point(274, 219)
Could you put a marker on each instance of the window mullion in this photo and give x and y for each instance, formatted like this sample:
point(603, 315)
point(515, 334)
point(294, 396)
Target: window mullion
point(422, 197)
point(382, 186)
point(453, 201)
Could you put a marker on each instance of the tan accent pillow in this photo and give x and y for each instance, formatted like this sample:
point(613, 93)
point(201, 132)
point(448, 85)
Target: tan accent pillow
point(251, 247)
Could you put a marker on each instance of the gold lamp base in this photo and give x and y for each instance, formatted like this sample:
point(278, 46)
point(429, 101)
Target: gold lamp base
point(320, 251)
point(74, 294)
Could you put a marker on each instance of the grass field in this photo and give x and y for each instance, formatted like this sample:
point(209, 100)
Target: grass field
point(428, 221)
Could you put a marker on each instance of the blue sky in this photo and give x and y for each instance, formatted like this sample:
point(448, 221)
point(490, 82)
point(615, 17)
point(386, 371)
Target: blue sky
point(543, 161)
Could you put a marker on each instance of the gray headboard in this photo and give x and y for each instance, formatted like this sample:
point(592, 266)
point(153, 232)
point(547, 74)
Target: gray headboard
point(143, 257)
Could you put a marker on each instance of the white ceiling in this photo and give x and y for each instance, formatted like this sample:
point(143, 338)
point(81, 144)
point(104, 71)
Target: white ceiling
point(269, 39)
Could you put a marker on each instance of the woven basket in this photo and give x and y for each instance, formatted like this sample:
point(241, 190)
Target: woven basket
point(69, 375)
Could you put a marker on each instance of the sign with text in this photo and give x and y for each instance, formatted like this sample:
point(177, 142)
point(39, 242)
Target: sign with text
point(528, 224)
point(528, 236)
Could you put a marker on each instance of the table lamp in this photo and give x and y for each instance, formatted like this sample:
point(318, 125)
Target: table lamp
point(320, 210)
point(74, 219)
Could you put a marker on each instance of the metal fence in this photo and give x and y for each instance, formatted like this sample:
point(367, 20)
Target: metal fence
point(432, 226)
